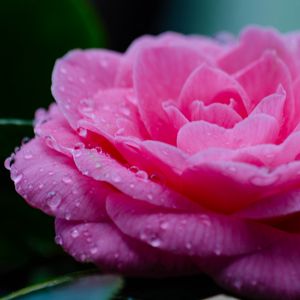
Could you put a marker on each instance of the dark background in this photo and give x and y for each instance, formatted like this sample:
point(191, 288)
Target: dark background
point(36, 32)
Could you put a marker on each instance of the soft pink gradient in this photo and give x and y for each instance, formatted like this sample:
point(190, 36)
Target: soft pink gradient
point(178, 157)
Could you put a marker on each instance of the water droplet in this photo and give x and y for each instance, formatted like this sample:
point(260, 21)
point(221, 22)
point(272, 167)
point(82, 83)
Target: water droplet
point(74, 233)
point(116, 255)
point(218, 251)
point(53, 200)
point(82, 132)
point(17, 178)
point(41, 169)
point(82, 257)
point(188, 246)
point(66, 179)
point(28, 155)
point(82, 79)
point(63, 70)
point(51, 173)
point(134, 169)
point(164, 225)
point(97, 165)
point(131, 185)
point(62, 88)
point(120, 131)
point(232, 169)
point(125, 111)
point(155, 242)
point(142, 174)
point(149, 196)
point(9, 161)
point(116, 178)
point(94, 250)
point(58, 240)
point(68, 216)
point(41, 186)
point(238, 284)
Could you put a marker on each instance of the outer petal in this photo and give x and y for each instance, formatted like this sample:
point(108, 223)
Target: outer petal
point(112, 251)
point(79, 75)
point(51, 182)
point(132, 182)
point(239, 184)
point(112, 112)
point(170, 67)
point(199, 234)
point(275, 207)
point(270, 273)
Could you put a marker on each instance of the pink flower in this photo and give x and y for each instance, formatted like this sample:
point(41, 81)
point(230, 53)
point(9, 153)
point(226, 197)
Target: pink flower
point(180, 156)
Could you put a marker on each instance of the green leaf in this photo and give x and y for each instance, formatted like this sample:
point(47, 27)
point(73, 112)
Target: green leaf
point(75, 286)
point(16, 122)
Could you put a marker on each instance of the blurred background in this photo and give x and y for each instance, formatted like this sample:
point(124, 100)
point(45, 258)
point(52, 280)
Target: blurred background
point(34, 33)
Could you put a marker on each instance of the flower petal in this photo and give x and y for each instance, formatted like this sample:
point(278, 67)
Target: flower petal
point(112, 251)
point(50, 181)
point(170, 67)
point(198, 234)
point(270, 273)
point(212, 85)
point(132, 182)
point(79, 75)
point(215, 113)
point(200, 135)
point(253, 42)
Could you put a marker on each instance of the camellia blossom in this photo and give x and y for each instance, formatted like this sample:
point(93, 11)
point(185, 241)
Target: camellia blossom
point(178, 157)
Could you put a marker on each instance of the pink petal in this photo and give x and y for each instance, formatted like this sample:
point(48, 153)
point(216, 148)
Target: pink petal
point(198, 234)
point(112, 113)
point(165, 162)
point(112, 251)
point(200, 135)
point(238, 184)
point(277, 206)
point(51, 182)
point(211, 85)
point(79, 75)
point(215, 113)
point(170, 67)
point(263, 77)
point(272, 105)
point(130, 181)
point(253, 43)
point(175, 116)
point(269, 273)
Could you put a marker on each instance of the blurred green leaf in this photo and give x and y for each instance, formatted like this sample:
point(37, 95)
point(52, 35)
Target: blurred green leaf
point(34, 34)
point(74, 286)
point(16, 122)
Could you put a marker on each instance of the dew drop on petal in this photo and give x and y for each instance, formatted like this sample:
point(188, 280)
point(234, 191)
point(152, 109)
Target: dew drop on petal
point(155, 242)
point(67, 179)
point(94, 250)
point(58, 240)
point(53, 200)
point(74, 233)
point(116, 178)
point(17, 178)
point(142, 174)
